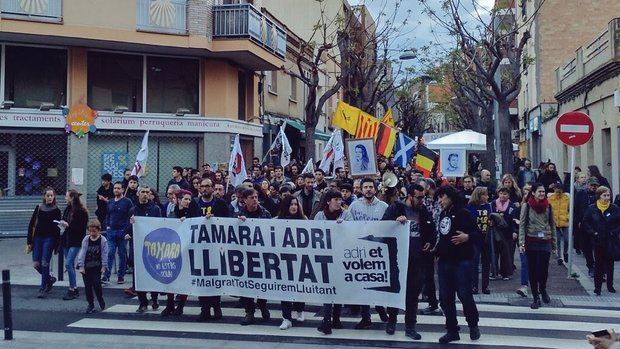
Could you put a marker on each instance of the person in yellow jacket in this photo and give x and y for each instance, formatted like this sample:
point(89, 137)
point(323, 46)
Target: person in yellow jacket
point(560, 201)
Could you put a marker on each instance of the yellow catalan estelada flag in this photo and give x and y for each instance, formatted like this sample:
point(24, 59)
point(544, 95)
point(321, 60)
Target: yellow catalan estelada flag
point(346, 117)
point(388, 118)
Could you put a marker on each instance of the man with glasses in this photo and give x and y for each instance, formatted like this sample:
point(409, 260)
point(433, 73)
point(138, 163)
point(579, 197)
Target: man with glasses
point(171, 194)
point(421, 237)
point(210, 206)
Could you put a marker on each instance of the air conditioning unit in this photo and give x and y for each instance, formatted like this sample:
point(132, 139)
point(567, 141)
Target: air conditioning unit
point(617, 98)
point(514, 134)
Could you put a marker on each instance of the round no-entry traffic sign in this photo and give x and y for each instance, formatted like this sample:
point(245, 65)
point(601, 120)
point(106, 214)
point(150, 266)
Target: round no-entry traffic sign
point(574, 128)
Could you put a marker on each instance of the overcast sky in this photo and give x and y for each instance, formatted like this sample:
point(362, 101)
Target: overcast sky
point(420, 30)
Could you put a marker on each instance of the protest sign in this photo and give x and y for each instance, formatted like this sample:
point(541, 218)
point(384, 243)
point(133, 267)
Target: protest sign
point(292, 260)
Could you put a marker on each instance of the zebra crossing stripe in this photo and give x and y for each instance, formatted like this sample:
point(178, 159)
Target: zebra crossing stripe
point(490, 340)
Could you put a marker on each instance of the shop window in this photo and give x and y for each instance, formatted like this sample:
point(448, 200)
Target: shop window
point(35, 75)
point(115, 80)
point(172, 84)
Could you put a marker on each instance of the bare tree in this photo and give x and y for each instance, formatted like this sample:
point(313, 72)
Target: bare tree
point(496, 55)
point(367, 79)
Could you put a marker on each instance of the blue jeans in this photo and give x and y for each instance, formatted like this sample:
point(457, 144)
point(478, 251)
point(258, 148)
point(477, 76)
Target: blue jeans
point(116, 240)
point(525, 277)
point(42, 255)
point(562, 241)
point(70, 254)
point(456, 277)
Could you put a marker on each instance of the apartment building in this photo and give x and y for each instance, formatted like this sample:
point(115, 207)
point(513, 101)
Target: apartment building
point(557, 28)
point(187, 70)
point(589, 81)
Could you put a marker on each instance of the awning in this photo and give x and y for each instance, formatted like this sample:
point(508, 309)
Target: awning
point(318, 135)
point(466, 139)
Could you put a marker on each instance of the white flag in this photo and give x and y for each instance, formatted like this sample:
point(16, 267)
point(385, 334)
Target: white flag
point(333, 152)
point(285, 159)
point(236, 165)
point(143, 154)
point(309, 167)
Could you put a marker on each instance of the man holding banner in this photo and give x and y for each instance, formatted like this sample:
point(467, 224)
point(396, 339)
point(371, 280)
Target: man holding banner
point(421, 238)
point(368, 208)
point(252, 209)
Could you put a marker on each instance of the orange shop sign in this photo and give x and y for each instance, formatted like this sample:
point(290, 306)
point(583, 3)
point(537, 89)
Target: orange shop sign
point(80, 119)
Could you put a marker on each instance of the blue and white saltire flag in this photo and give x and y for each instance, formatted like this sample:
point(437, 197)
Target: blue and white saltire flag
point(404, 149)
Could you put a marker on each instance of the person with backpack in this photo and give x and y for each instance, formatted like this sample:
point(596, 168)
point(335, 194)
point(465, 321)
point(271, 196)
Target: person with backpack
point(537, 239)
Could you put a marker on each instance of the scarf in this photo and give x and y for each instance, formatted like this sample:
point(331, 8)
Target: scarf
point(601, 206)
point(332, 216)
point(538, 206)
point(501, 207)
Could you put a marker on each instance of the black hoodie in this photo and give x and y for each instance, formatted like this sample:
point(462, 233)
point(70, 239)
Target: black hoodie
point(450, 221)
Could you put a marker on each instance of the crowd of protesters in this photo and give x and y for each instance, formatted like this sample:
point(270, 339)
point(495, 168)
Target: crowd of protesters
point(468, 228)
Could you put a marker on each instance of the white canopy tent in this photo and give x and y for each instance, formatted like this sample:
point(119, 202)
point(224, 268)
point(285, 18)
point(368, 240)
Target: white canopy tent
point(467, 139)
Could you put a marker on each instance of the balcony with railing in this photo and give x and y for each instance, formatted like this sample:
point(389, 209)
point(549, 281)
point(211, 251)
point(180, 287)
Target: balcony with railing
point(32, 10)
point(246, 21)
point(600, 52)
point(162, 16)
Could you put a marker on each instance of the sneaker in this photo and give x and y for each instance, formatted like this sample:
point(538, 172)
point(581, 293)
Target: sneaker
point(611, 289)
point(50, 284)
point(155, 305)
point(505, 278)
point(90, 309)
point(102, 305)
point(486, 291)
point(522, 291)
point(300, 316)
point(105, 281)
point(535, 304)
point(596, 292)
point(390, 327)
point(364, 324)
point(264, 313)
point(129, 270)
point(474, 290)
point(130, 292)
point(142, 309)
point(430, 310)
point(449, 337)
point(474, 333)
point(493, 277)
point(249, 319)
point(120, 281)
point(42, 294)
point(411, 333)
point(560, 262)
point(325, 327)
point(71, 295)
point(286, 324)
point(545, 296)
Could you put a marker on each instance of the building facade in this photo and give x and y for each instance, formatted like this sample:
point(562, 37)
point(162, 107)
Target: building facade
point(557, 28)
point(589, 82)
point(187, 70)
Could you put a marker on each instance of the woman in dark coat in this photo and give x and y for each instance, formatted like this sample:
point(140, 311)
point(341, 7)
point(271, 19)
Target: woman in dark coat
point(600, 221)
point(75, 221)
point(44, 238)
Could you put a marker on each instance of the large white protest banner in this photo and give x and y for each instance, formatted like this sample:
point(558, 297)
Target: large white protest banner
point(293, 260)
